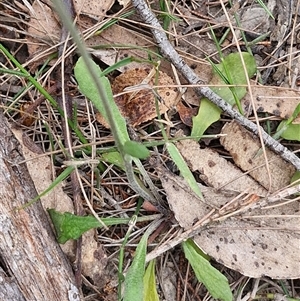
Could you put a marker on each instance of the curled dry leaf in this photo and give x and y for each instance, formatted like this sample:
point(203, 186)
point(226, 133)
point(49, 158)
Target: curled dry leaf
point(120, 35)
point(139, 106)
point(186, 113)
point(244, 148)
point(260, 242)
point(43, 28)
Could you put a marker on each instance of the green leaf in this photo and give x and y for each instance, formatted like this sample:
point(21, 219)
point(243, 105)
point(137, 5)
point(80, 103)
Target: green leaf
point(296, 177)
point(287, 129)
point(150, 292)
point(291, 131)
point(133, 284)
point(232, 64)
point(114, 158)
point(229, 71)
point(208, 114)
point(69, 226)
point(58, 180)
point(215, 282)
point(184, 169)
point(89, 89)
point(136, 149)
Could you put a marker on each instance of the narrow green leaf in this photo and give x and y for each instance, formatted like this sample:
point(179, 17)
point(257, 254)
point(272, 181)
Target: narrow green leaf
point(184, 169)
point(89, 89)
point(150, 292)
point(136, 149)
point(215, 282)
point(133, 284)
point(118, 65)
point(58, 180)
point(263, 5)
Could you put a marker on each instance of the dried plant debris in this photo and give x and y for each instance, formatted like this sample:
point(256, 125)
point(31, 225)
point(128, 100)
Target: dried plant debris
point(245, 149)
point(139, 106)
point(260, 242)
point(44, 26)
point(40, 169)
point(216, 171)
point(43, 29)
point(186, 113)
point(278, 101)
point(94, 9)
point(119, 35)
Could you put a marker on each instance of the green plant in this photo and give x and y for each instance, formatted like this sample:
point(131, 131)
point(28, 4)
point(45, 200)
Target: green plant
point(229, 80)
point(215, 282)
point(287, 129)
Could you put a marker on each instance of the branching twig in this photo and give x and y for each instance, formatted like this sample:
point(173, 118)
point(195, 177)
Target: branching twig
point(171, 54)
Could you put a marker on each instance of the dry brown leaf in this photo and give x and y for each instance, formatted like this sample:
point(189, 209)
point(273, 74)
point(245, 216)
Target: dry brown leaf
point(215, 170)
point(186, 113)
point(93, 256)
point(262, 242)
point(134, 45)
point(139, 106)
point(44, 28)
point(168, 281)
point(255, 19)
point(277, 101)
point(244, 148)
point(94, 9)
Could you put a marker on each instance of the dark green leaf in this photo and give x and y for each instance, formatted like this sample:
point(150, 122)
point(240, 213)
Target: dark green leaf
point(215, 282)
point(69, 226)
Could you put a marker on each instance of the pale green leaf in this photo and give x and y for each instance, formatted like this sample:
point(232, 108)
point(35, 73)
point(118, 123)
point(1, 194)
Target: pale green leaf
point(89, 89)
point(114, 158)
point(292, 131)
point(215, 282)
point(232, 64)
point(296, 178)
point(208, 113)
point(150, 292)
point(133, 284)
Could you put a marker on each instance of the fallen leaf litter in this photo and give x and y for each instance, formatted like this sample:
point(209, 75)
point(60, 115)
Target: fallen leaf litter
point(139, 105)
point(261, 242)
